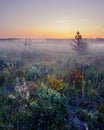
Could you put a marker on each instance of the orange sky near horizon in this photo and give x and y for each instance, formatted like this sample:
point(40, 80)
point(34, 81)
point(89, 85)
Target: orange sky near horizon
point(50, 34)
point(51, 19)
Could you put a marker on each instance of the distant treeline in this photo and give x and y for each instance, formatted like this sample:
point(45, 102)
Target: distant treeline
point(89, 39)
point(10, 39)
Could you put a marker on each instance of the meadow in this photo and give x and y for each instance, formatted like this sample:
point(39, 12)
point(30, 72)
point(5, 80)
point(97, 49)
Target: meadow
point(46, 85)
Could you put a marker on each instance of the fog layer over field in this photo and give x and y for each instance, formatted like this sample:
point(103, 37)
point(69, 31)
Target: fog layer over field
point(47, 46)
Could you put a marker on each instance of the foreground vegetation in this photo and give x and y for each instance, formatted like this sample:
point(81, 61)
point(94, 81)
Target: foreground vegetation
point(43, 92)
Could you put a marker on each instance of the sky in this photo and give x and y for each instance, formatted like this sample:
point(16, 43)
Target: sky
point(51, 18)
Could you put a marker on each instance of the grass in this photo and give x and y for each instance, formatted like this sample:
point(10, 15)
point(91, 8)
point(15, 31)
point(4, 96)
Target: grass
point(70, 91)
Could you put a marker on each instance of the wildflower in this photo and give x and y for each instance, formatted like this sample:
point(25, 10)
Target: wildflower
point(11, 96)
point(25, 90)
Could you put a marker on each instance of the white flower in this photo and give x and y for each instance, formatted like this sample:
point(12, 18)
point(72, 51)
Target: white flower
point(11, 96)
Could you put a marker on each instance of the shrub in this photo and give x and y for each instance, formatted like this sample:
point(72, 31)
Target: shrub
point(49, 110)
point(56, 84)
point(75, 77)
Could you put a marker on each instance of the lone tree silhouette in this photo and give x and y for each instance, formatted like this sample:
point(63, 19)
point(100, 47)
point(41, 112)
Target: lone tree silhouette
point(79, 45)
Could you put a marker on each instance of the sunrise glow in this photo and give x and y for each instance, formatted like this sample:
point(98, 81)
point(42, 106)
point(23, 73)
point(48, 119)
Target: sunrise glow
point(51, 19)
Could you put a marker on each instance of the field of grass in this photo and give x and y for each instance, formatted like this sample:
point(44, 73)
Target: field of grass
point(51, 90)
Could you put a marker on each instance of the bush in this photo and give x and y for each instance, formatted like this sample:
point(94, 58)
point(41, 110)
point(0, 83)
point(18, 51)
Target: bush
point(49, 110)
point(56, 84)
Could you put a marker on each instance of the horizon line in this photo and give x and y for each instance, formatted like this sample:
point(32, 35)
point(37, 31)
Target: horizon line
point(47, 38)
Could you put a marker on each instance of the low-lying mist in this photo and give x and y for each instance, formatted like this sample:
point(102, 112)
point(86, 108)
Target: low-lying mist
point(46, 49)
